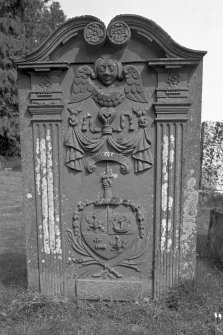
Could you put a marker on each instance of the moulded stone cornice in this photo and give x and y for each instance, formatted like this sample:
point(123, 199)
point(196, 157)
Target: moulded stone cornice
point(138, 24)
point(172, 63)
point(166, 112)
point(165, 108)
point(42, 67)
point(47, 112)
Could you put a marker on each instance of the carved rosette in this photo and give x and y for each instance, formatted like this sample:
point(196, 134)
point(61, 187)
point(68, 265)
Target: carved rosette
point(95, 33)
point(173, 79)
point(118, 33)
point(45, 82)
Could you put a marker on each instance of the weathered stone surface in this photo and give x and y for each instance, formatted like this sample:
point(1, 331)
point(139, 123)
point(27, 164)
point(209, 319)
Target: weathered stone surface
point(215, 234)
point(211, 184)
point(109, 290)
point(212, 153)
point(110, 119)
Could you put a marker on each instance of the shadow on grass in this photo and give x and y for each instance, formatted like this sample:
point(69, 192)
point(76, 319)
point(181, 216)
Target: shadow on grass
point(13, 269)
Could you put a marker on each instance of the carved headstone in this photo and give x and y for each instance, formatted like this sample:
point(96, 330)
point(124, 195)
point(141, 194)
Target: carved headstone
point(110, 123)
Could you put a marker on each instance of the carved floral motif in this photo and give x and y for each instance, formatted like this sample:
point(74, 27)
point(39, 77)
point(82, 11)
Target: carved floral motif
point(94, 33)
point(119, 32)
point(173, 79)
point(45, 82)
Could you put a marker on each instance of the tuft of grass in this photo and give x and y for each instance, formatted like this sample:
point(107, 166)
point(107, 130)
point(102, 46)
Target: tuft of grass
point(188, 310)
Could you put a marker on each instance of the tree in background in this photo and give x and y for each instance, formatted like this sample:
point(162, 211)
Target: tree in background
point(40, 20)
point(24, 25)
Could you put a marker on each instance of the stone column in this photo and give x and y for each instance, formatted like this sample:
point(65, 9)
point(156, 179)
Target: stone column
point(170, 121)
point(44, 109)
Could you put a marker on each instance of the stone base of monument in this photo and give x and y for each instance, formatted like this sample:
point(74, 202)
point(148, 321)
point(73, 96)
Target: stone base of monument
point(215, 234)
point(122, 290)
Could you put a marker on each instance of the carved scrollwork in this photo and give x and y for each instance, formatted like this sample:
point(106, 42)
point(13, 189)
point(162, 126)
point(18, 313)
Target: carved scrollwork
point(109, 156)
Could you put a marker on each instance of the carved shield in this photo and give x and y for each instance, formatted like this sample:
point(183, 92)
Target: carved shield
point(109, 233)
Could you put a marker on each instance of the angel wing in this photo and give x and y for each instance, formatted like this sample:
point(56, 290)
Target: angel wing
point(83, 86)
point(133, 88)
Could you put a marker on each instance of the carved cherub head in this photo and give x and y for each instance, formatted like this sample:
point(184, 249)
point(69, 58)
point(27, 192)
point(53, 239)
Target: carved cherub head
point(108, 69)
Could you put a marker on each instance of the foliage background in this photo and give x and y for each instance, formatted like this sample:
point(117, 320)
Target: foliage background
point(24, 25)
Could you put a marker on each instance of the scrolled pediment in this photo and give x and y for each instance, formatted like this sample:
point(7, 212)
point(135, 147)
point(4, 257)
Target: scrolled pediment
point(120, 30)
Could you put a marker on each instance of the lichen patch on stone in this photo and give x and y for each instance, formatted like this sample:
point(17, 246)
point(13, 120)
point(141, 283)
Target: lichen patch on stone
point(188, 231)
point(50, 226)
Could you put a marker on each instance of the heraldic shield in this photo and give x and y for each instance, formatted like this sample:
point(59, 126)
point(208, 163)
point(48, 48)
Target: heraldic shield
point(109, 232)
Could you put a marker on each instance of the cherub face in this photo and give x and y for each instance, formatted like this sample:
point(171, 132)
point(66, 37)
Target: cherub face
point(107, 71)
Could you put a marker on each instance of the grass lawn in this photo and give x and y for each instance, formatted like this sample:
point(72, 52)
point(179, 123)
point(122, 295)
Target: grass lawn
point(188, 310)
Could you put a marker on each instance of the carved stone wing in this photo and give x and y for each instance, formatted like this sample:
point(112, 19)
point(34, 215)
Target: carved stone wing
point(133, 88)
point(83, 86)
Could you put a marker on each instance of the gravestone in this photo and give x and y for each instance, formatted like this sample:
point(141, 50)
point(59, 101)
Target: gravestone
point(110, 121)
